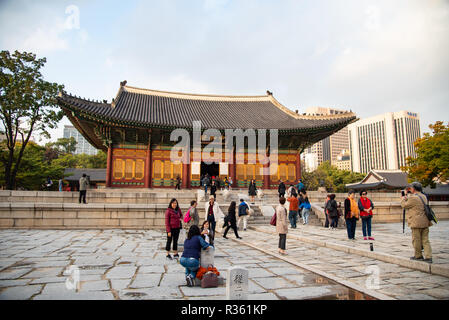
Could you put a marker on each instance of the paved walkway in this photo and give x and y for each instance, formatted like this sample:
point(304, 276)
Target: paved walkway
point(327, 252)
point(130, 264)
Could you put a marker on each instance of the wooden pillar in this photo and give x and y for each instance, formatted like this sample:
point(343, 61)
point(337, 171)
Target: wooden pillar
point(298, 165)
point(232, 170)
point(109, 167)
point(266, 177)
point(185, 183)
point(148, 165)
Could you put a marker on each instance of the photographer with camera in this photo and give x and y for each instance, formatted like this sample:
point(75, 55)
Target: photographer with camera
point(417, 220)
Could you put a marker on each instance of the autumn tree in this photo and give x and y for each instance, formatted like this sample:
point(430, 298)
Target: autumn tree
point(27, 105)
point(431, 163)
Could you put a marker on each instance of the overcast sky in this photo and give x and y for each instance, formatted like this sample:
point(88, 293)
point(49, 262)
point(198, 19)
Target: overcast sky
point(370, 57)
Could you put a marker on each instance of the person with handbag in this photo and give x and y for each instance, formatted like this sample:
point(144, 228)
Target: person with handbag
point(231, 221)
point(332, 210)
point(190, 259)
point(173, 226)
point(366, 207)
point(281, 225)
point(351, 214)
point(418, 222)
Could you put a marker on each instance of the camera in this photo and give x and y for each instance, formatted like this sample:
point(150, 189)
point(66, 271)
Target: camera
point(403, 193)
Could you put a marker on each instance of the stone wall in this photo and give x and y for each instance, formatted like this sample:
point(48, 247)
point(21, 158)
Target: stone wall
point(146, 209)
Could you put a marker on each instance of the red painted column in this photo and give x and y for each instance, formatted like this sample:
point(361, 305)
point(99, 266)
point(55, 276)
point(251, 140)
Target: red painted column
point(109, 167)
point(266, 177)
point(148, 166)
point(232, 170)
point(185, 171)
point(298, 165)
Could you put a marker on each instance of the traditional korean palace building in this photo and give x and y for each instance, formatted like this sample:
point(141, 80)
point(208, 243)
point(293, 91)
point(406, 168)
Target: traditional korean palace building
point(134, 129)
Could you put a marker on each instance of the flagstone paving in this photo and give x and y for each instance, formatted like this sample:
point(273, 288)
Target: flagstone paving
point(396, 281)
point(130, 264)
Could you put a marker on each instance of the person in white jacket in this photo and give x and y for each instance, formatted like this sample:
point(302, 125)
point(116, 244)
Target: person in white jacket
point(213, 213)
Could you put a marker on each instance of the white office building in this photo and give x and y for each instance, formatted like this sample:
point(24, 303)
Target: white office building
point(383, 142)
point(82, 146)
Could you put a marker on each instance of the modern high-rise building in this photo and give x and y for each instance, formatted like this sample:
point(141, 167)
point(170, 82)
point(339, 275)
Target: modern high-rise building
point(82, 146)
point(330, 148)
point(383, 142)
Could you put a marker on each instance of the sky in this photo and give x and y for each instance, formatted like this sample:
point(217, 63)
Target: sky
point(368, 56)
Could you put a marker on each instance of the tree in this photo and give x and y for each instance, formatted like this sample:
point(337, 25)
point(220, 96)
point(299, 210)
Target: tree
point(63, 145)
point(431, 163)
point(27, 105)
point(330, 177)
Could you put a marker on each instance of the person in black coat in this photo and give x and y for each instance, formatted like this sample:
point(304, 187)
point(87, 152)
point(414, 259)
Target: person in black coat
point(213, 190)
point(252, 190)
point(231, 221)
point(281, 189)
point(332, 209)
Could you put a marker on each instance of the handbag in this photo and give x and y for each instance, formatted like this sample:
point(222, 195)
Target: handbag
point(273, 219)
point(210, 280)
point(429, 212)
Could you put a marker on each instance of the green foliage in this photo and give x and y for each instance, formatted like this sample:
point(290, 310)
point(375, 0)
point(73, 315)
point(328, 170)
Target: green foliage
point(27, 103)
point(63, 145)
point(330, 177)
point(36, 167)
point(432, 161)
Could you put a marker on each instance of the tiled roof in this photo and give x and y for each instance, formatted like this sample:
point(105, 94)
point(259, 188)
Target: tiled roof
point(146, 108)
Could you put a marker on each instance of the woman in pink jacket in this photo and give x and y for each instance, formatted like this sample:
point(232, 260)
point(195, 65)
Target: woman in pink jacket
point(173, 218)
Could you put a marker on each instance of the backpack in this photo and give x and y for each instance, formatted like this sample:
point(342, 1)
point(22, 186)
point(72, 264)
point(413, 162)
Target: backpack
point(187, 217)
point(429, 212)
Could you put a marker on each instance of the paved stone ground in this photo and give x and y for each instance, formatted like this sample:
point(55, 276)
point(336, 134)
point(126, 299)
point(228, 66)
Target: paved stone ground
point(129, 264)
point(395, 281)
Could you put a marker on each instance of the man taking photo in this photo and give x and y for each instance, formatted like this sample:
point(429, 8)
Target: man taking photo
point(418, 221)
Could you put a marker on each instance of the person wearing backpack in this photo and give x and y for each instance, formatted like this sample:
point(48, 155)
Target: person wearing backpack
point(418, 222)
point(332, 211)
point(192, 218)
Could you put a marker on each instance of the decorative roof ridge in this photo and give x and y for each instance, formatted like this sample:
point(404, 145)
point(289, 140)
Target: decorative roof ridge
point(195, 96)
point(346, 114)
point(101, 103)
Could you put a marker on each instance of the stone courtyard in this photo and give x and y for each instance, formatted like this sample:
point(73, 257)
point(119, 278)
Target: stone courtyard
point(131, 264)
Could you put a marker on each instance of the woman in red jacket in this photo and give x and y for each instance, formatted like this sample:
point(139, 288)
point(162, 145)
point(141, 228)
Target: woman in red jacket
point(366, 207)
point(173, 218)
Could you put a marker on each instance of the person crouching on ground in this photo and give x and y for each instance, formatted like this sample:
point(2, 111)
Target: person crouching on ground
point(173, 218)
point(418, 222)
point(351, 214)
point(366, 207)
point(281, 225)
point(190, 259)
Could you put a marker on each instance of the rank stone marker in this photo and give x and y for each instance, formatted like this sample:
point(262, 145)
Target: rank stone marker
point(207, 257)
point(237, 283)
